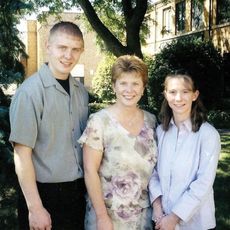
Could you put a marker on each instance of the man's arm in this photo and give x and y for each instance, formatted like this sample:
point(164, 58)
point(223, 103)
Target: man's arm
point(38, 215)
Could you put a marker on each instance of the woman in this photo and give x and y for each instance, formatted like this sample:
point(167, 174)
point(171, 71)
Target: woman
point(181, 187)
point(119, 153)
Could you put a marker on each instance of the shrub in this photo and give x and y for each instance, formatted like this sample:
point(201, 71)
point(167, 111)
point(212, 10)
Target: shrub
point(8, 178)
point(199, 58)
point(219, 119)
point(101, 83)
point(94, 107)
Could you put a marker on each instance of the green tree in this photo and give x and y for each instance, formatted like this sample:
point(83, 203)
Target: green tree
point(120, 24)
point(11, 70)
point(11, 47)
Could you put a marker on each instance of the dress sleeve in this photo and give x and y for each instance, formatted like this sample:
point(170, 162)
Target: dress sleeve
point(23, 120)
point(202, 185)
point(93, 133)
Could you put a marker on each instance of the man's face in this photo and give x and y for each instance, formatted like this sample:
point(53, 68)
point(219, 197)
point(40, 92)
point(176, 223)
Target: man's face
point(64, 51)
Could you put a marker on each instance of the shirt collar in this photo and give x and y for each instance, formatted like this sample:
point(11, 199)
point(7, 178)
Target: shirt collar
point(48, 79)
point(187, 124)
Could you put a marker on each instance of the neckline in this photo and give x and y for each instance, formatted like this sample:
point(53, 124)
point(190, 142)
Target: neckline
point(114, 120)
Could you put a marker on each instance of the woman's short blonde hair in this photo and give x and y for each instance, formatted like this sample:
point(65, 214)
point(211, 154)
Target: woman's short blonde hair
point(127, 64)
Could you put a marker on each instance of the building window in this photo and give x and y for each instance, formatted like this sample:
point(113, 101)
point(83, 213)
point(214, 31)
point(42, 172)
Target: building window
point(166, 21)
point(197, 14)
point(180, 16)
point(223, 11)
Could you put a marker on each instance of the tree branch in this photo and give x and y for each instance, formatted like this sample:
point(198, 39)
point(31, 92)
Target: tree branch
point(111, 42)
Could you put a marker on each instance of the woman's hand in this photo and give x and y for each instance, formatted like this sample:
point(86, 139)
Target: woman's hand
point(104, 223)
point(167, 222)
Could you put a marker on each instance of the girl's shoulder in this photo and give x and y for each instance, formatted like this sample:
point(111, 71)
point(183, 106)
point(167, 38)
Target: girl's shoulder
point(208, 131)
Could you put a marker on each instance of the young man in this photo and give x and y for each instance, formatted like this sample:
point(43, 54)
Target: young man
point(48, 114)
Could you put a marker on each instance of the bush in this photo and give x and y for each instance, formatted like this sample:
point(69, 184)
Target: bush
point(8, 180)
point(94, 107)
point(199, 58)
point(101, 83)
point(219, 119)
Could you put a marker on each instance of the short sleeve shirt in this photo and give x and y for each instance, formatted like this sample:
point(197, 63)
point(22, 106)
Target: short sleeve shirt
point(46, 118)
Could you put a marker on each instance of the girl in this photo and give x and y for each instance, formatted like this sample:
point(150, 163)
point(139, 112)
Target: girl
point(181, 187)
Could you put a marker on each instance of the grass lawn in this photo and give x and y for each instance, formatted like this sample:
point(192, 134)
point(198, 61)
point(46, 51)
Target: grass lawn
point(222, 185)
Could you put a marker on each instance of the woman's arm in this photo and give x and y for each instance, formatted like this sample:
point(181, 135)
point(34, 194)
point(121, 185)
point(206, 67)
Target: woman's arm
point(92, 160)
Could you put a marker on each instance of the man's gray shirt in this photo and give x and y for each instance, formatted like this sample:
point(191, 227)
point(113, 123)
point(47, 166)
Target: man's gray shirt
point(46, 118)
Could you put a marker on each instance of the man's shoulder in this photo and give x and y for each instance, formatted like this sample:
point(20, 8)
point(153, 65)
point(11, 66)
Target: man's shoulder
point(30, 84)
point(36, 79)
point(32, 87)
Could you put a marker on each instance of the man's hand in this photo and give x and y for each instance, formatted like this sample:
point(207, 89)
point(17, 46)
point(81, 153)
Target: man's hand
point(39, 219)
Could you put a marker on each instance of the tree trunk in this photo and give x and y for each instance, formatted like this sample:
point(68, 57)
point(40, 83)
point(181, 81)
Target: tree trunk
point(133, 17)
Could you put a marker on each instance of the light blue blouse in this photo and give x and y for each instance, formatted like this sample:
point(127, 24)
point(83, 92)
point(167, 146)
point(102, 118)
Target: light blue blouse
point(185, 172)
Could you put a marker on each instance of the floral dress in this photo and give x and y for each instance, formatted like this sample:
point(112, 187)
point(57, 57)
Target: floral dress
point(125, 170)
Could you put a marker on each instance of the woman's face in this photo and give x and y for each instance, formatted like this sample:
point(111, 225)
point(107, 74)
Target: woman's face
point(129, 89)
point(180, 96)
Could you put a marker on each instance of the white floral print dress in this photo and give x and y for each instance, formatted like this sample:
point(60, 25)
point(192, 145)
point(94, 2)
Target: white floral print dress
point(125, 170)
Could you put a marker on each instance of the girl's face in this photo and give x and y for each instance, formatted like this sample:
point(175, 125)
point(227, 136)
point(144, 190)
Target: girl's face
point(129, 88)
point(180, 96)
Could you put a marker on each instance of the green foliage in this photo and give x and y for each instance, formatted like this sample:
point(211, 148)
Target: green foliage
point(223, 11)
point(7, 175)
point(94, 107)
point(101, 83)
point(11, 47)
point(200, 58)
point(11, 70)
point(219, 119)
